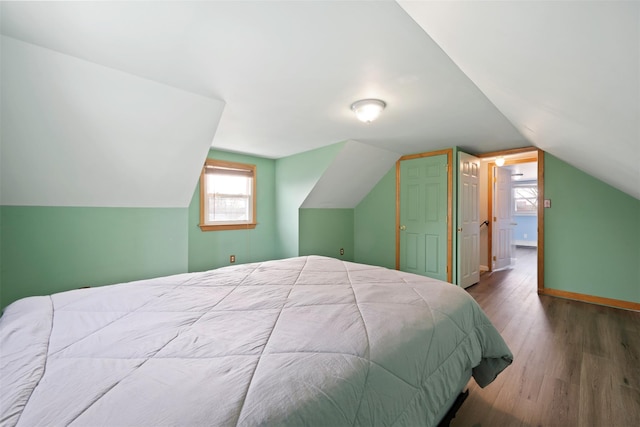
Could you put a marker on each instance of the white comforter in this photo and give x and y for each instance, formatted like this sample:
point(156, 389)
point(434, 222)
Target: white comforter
point(302, 341)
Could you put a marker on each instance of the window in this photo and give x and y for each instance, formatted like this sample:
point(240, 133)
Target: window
point(525, 199)
point(227, 196)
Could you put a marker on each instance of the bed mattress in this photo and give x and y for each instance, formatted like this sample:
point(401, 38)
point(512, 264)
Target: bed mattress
point(301, 341)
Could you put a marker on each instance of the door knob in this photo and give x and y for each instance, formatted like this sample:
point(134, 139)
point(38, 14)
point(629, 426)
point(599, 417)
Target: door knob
point(403, 227)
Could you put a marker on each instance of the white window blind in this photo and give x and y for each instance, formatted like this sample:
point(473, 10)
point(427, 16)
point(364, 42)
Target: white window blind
point(228, 195)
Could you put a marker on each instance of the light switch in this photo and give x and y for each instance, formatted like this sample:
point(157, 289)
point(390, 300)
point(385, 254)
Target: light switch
point(547, 203)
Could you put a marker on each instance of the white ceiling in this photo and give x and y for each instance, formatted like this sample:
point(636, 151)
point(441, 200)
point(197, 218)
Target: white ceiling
point(79, 134)
point(523, 171)
point(352, 175)
point(566, 74)
point(563, 77)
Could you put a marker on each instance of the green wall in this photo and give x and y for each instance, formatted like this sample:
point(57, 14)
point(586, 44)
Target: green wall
point(211, 249)
point(592, 232)
point(591, 235)
point(375, 219)
point(295, 178)
point(375, 224)
point(325, 231)
point(53, 249)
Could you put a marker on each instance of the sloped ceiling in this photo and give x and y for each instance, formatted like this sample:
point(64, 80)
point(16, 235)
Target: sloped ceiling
point(363, 166)
point(286, 73)
point(565, 74)
point(78, 134)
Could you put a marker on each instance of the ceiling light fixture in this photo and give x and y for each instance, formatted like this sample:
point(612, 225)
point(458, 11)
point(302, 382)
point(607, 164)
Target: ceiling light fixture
point(500, 161)
point(367, 110)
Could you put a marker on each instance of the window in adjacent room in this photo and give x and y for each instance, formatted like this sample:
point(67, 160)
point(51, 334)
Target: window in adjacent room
point(525, 199)
point(227, 196)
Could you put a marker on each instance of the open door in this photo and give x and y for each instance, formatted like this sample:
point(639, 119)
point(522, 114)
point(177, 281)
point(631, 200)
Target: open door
point(468, 220)
point(503, 249)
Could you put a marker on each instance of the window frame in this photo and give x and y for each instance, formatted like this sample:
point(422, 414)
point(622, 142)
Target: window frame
point(204, 226)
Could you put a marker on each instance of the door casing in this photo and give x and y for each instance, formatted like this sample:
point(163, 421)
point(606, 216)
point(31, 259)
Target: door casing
point(537, 155)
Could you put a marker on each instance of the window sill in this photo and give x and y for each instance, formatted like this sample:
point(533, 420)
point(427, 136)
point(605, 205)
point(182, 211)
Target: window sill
point(208, 227)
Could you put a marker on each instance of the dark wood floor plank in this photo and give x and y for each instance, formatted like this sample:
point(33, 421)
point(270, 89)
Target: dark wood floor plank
point(558, 410)
point(575, 364)
point(629, 399)
point(624, 344)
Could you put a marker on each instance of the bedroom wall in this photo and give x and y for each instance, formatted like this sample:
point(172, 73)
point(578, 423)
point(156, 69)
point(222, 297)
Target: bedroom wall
point(592, 235)
point(211, 249)
point(295, 177)
point(374, 224)
point(53, 249)
point(325, 231)
point(97, 167)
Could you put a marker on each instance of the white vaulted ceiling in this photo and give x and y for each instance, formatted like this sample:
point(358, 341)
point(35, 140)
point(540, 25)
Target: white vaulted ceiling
point(79, 134)
point(565, 74)
point(156, 83)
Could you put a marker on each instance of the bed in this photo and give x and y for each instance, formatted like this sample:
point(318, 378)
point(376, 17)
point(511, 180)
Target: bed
point(300, 341)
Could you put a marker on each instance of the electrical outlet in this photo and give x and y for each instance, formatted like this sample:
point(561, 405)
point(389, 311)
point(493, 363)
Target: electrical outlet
point(232, 258)
point(341, 251)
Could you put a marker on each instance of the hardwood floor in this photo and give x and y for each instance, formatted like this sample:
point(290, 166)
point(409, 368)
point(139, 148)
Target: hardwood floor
point(575, 364)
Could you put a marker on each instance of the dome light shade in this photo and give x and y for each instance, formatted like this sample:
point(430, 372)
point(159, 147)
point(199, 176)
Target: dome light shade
point(367, 110)
point(500, 161)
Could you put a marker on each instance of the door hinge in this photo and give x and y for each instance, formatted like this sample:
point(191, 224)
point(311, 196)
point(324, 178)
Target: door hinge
point(495, 219)
point(446, 167)
point(494, 258)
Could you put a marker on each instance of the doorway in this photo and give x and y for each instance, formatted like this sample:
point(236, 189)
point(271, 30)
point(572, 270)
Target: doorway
point(511, 194)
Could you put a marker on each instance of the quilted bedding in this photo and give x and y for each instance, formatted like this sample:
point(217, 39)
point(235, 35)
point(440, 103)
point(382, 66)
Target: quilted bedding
point(301, 341)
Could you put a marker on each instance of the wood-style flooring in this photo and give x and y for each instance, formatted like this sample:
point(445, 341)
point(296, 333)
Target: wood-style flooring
point(575, 364)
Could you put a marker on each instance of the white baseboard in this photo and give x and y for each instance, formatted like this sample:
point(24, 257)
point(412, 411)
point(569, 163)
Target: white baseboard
point(484, 268)
point(531, 243)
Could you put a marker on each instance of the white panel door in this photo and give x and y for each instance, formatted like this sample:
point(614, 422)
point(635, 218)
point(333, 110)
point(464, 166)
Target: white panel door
point(468, 220)
point(502, 236)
